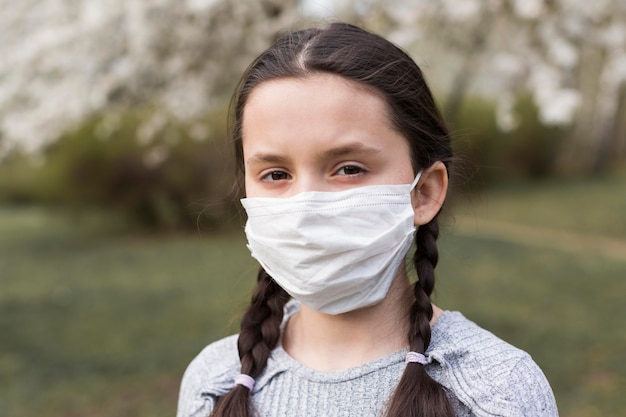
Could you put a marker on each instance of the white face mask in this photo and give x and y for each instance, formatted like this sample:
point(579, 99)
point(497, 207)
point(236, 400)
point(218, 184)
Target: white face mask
point(333, 251)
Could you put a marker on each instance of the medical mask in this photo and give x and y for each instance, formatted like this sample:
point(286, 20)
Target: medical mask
point(333, 251)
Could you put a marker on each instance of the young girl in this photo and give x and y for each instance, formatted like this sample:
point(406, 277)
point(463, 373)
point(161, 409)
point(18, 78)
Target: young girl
point(344, 155)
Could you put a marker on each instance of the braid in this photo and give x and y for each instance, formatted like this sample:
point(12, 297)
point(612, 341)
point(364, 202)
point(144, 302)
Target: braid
point(425, 260)
point(417, 393)
point(259, 335)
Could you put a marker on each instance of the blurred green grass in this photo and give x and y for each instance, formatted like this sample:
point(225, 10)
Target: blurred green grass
point(94, 323)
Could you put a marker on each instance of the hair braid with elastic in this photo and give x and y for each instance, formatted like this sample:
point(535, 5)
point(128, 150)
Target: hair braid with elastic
point(259, 335)
point(417, 394)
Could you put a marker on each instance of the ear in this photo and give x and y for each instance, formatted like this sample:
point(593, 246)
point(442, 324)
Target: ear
point(430, 193)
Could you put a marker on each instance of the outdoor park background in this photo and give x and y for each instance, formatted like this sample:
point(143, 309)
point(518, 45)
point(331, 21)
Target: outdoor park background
point(121, 245)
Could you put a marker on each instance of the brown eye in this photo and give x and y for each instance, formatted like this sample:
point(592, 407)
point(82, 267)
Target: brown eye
point(276, 176)
point(350, 170)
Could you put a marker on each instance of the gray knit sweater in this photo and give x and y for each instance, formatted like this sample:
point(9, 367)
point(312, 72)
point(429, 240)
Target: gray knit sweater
point(485, 376)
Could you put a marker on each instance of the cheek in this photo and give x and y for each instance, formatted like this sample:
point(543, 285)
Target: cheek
point(249, 188)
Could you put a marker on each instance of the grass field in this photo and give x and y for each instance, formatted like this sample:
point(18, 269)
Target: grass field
point(94, 323)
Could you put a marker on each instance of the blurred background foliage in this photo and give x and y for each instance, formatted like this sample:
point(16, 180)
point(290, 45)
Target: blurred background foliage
point(154, 173)
point(124, 107)
point(529, 152)
point(157, 173)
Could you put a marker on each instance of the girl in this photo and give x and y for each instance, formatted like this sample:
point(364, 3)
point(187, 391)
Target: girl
point(344, 155)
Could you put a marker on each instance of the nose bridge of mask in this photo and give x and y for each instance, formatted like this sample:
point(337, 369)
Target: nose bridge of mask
point(264, 206)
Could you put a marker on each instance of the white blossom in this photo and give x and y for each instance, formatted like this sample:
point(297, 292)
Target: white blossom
point(612, 36)
point(508, 64)
point(318, 8)
point(459, 11)
point(199, 5)
point(150, 128)
point(156, 156)
point(505, 115)
point(61, 60)
point(528, 9)
point(557, 106)
point(563, 53)
point(594, 10)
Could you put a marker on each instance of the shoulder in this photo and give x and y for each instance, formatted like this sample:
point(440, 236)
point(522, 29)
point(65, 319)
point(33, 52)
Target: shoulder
point(488, 375)
point(208, 376)
point(211, 374)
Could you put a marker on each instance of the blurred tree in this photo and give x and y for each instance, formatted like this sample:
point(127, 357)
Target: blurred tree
point(62, 60)
point(569, 54)
point(121, 103)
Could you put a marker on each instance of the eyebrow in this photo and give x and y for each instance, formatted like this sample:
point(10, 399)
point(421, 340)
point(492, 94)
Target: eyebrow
point(350, 149)
point(355, 148)
point(266, 157)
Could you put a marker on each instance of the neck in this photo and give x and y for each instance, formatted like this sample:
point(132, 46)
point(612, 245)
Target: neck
point(331, 342)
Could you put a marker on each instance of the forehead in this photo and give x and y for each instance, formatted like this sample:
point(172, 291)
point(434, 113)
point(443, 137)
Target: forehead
point(333, 98)
point(295, 117)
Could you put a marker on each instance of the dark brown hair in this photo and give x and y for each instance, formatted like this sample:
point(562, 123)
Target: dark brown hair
point(380, 66)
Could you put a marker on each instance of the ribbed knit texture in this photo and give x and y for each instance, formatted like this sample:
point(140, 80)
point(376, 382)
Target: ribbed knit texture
point(485, 376)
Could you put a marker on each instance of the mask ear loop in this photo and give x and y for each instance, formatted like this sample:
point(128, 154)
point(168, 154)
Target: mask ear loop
point(416, 180)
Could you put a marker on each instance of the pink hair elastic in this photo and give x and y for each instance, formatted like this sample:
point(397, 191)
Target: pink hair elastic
point(416, 357)
point(245, 380)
